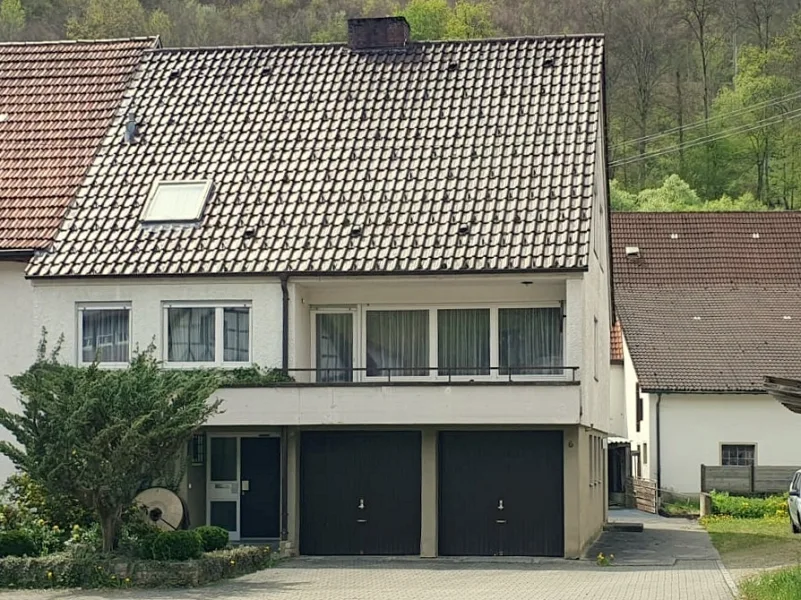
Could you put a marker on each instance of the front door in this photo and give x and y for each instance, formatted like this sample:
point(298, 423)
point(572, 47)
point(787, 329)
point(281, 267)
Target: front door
point(260, 484)
point(223, 487)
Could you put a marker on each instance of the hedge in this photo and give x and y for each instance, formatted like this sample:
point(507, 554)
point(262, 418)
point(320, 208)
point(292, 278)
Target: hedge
point(63, 570)
point(748, 507)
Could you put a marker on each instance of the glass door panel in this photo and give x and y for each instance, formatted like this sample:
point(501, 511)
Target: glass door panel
point(223, 486)
point(334, 347)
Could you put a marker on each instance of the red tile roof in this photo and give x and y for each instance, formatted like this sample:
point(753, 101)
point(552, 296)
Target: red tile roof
point(709, 302)
point(616, 339)
point(56, 102)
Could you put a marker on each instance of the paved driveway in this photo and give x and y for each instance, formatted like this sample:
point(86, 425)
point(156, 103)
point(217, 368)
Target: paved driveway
point(672, 560)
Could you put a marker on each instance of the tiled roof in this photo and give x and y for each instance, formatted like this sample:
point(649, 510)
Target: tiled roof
point(707, 248)
point(57, 100)
point(616, 341)
point(712, 302)
point(450, 156)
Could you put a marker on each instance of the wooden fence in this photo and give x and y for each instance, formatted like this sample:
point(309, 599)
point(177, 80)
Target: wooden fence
point(641, 494)
point(746, 480)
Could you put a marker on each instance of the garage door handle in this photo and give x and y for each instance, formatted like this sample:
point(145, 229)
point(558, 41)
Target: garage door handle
point(361, 520)
point(500, 521)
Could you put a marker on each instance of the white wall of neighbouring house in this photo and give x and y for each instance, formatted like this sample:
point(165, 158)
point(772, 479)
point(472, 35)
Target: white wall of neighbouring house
point(693, 427)
point(618, 418)
point(56, 305)
point(639, 432)
point(18, 339)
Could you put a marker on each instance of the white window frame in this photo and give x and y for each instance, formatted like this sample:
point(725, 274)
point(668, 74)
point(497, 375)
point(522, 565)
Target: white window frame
point(81, 308)
point(151, 198)
point(219, 334)
point(360, 341)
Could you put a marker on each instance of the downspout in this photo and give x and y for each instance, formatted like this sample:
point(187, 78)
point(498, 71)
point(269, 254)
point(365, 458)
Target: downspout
point(284, 429)
point(658, 446)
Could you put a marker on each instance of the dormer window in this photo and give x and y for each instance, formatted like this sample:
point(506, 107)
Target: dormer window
point(176, 201)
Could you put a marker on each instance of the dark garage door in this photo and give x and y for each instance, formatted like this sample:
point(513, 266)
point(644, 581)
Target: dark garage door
point(501, 493)
point(360, 492)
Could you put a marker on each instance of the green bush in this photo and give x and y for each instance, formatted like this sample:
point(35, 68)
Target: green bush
point(66, 571)
point(17, 543)
point(177, 545)
point(32, 502)
point(212, 538)
point(742, 507)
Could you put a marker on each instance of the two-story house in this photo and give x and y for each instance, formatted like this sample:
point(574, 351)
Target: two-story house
point(57, 100)
point(415, 232)
point(708, 304)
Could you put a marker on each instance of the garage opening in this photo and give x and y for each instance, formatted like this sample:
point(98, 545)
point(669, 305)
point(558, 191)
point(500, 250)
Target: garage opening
point(501, 493)
point(360, 492)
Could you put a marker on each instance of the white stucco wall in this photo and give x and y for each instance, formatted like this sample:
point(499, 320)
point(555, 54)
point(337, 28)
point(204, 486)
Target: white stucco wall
point(18, 339)
point(639, 439)
point(55, 307)
point(693, 426)
point(618, 418)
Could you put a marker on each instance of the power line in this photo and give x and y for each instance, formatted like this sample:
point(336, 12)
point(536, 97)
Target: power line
point(704, 123)
point(793, 114)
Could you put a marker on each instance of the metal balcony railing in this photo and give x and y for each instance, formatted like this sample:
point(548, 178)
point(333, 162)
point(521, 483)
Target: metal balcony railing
point(423, 375)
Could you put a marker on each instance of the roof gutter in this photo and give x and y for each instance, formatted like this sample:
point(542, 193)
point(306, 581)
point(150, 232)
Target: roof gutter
point(658, 444)
point(17, 254)
point(785, 391)
point(284, 429)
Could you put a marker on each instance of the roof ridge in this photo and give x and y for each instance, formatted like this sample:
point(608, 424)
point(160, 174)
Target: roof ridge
point(150, 38)
point(528, 38)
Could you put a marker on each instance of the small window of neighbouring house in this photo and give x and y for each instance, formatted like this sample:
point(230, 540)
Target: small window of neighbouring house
point(198, 449)
point(104, 333)
point(176, 201)
point(737, 455)
point(211, 335)
point(645, 453)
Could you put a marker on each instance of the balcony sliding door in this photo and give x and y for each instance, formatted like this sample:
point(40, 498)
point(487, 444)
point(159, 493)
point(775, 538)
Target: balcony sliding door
point(529, 340)
point(334, 346)
point(397, 343)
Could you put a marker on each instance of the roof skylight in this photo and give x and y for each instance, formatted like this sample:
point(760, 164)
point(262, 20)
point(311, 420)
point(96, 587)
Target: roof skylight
point(176, 201)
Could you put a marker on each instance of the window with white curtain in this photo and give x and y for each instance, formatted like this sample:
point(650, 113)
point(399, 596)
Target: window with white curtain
point(530, 339)
point(105, 334)
point(397, 343)
point(208, 334)
point(463, 341)
point(334, 346)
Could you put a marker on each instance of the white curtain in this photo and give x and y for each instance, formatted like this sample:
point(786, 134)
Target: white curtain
point(397, 343)
point(530, 338)
point(463, 341)
point(237, 334)
point(334, 347)
point(105, 335)
point(190, 334)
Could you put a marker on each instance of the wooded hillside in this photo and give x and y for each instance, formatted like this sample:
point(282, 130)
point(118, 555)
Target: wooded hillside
point(703, 95)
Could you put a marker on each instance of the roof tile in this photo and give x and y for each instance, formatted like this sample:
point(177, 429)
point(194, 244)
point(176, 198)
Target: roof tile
point(57, 100)
point(329, 160)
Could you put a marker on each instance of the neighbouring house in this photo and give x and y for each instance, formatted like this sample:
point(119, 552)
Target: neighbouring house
point(416, 233)
point(57, 100)
point(708, 304)
point(619, 444)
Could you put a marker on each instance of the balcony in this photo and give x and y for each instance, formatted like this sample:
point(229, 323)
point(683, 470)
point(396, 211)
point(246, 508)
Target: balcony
point(494, 396)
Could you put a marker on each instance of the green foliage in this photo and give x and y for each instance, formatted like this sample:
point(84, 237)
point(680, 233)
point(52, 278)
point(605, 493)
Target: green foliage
point(741, 507)
point(177, 545)
point(101, 435)
point(212, 538)
point(17, 543)
point(33, 503)
point(784, 584)
point(251, 376)
point(437, 20)
point(12, 20)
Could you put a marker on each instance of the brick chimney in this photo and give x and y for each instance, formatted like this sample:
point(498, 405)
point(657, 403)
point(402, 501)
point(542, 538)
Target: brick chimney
point(378, 34)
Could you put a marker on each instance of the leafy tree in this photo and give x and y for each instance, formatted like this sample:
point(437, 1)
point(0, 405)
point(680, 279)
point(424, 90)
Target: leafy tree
point(12, 20)
point(109, 19)
point(101, 435)
point(437, 20)
point(675, 195)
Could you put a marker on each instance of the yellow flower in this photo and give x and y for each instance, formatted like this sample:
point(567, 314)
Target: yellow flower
point(233, 562)
point(127, 580)
point(76, 527)
point(74, 452)
point(50, 574)
point(40, 522)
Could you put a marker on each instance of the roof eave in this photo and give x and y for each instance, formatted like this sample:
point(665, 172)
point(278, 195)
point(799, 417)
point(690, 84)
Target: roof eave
point(704, 391)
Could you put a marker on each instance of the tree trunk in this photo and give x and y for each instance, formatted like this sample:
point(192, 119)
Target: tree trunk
point(109, 524)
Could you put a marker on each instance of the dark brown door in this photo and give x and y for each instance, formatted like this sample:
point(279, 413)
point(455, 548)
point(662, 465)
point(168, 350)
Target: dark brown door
point(260, 487)
point(501, 493)
point(360, 493)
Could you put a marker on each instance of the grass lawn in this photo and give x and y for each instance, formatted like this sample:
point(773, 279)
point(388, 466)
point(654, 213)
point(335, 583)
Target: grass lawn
point(749, 545)
point(784, 584)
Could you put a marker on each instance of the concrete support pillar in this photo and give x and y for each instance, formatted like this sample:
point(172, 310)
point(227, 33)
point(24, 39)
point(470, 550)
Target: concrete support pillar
point(290, 547)
point(428, 496)
point(572, 492)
